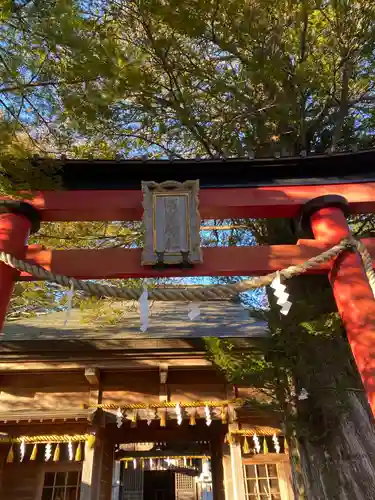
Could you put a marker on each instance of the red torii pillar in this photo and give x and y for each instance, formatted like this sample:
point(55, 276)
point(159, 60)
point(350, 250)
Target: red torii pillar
point(17, 220)
point(326, 216)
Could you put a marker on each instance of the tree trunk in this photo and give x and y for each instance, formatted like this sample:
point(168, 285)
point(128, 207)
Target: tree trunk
point(334, 457)
point(342, 466)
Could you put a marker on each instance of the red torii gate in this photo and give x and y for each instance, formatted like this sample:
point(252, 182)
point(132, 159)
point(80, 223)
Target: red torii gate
point(321, 205)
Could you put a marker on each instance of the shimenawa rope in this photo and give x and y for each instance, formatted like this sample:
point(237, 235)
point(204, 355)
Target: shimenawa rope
point(50, 438)
point(199, 293)
point(170, 404)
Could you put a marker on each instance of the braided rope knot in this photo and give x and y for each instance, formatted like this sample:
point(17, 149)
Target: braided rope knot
point(199, 293)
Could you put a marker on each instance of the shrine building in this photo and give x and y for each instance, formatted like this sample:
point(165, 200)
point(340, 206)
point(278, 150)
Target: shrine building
point(127, 405)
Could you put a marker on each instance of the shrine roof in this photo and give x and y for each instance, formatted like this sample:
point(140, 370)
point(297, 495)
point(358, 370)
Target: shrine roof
point(120, 320)
point(313, 169)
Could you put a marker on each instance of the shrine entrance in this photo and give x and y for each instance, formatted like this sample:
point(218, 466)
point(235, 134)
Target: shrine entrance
point(175, 469)
point(158, 485)
point(164, 477)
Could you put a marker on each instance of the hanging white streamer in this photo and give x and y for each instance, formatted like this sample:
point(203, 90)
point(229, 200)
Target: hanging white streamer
point(207, 413)
point(276, 443)
point(143, 309)
point(303, 394)
point(69, 296)
point(134, 463)
point(281, 295)
point(48, 452)
point(22, 450)
point(194, 311)
point(179, 413)
point(119, 418)
point(70, 451)
point(151, 464)
point(256, 443)
point(185, 462)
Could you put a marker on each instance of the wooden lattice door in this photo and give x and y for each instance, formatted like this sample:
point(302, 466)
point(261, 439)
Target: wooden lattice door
point(185, 487)
point(133, 485)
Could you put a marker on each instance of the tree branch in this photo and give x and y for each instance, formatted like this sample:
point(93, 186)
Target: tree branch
point(47, 83)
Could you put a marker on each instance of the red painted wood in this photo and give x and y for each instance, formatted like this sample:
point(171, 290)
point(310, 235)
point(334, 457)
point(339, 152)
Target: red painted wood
point(14, 230)
point(354, 297)
point(222, 261)
point(280, 201)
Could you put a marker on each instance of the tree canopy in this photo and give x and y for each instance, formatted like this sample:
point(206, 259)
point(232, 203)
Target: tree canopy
point(185, 78)
point(203, 78)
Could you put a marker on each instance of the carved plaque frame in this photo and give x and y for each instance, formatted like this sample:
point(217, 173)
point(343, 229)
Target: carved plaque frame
point(171, 222)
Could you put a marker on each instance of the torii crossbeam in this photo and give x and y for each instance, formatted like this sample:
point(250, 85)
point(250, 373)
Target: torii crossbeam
point(320, 190)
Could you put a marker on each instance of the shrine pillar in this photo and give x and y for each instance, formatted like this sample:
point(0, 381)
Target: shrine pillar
point(233, 470)
point(97, 471)
point(217, 469)
point(326, 216)
point(3, 454)
point(17, 220)
point(116, 481)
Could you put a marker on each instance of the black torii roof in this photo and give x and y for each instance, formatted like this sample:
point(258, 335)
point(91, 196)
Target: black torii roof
point(342, 167)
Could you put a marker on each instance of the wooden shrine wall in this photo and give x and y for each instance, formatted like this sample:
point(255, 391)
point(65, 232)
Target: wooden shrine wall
point(48, 391)
point(68, 390)
point(24, 481)
point(132, 387)
point(20, 481)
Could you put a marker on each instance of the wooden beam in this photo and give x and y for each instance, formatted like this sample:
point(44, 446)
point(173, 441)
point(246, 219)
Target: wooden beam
point(163, 373)
point(46, 416)
point(163, 389)
point(220, 203)
point(139, 364)
point(172, 433)
point(220, 261)
point(268, 458)
point(92, 374)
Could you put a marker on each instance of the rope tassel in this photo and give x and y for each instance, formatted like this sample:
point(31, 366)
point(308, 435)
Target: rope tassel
point(78, 455)
point(245, 447)
point(286, 446)
point(91, 441)
point(133, 422)
point(193, 419)
point(34, 452)
point(163, 418)
point(56, 455)
point(224, 415)
point(265, 446)
point(10, 457)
